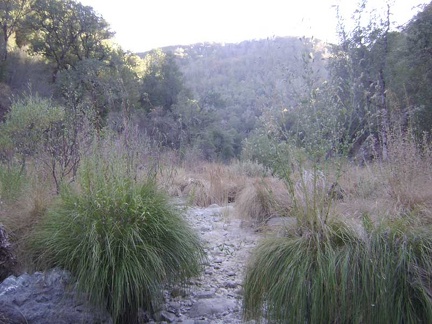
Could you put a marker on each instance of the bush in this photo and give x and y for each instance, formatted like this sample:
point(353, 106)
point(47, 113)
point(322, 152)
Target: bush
point(212, 184)
point(249, 169)
point(122, 240)
point(12, 183)
point(27, 124)
point(262, 199)
point(335, 277)
point(267, 151)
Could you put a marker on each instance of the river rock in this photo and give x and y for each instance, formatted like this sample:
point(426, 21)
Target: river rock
point(7, 258)
point(211, 307)
point(46, 298)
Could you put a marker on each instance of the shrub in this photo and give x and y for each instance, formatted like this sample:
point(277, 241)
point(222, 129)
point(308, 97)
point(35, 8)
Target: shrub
point(27, 124)
point(213, 184)
point(12, 183)
point(249, 169)
point(122, 240)
point(266, 151)
point(262, 199)
point(335, 277)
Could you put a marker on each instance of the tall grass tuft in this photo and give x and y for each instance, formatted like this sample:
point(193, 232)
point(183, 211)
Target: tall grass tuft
point(262, 199)
point(333, 276)
point(213, 184)
point(22, 205)
point(121, 239)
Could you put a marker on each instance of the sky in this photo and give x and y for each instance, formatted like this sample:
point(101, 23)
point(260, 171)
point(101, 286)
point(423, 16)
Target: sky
point(142, 25)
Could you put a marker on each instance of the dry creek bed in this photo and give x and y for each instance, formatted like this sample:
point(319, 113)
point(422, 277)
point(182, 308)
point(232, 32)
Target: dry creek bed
point(216, 296)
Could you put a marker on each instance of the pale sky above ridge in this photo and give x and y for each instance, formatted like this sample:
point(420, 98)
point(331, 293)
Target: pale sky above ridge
point(141, 25)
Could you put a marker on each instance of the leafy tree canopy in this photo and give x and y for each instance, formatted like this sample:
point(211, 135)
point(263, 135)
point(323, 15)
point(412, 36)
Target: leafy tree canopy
point(65, 32)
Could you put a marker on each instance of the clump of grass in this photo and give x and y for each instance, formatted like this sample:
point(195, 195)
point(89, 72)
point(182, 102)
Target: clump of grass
point(213, 184)
point(333, 276)
point(122, 240)
point(262, 199)
point(250, 169)
point(21, 214)
point(198, 192)
point(312, 198)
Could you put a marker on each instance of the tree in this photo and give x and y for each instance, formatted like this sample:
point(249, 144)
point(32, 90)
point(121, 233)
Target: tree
point(417, 63)
point(96, 87)
point(359, 75)
point(66, 32)
point(162, 81)
point(12, 14)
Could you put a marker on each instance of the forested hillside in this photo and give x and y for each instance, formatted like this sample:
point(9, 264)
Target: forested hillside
point(218, 100)
point(238, 82)
point(323, 150)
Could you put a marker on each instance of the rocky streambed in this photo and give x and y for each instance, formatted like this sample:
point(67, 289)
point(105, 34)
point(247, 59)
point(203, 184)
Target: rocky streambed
point(215, 297)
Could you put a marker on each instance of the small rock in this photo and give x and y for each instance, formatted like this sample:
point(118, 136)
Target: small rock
point(210, 307)
point(167, 316)
point(205, 294)
point(174, 305)
point(178, 292)
point(206, 228)
point(230, 284)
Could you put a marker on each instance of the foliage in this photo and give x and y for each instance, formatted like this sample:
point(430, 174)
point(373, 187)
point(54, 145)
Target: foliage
point(338, 277)
point(216, 145)
point(266, 150)
point(162, 81)
point(96, 87)
point(65, 32)
point(28, 124)
point(39, 129)
point(12, 183)
point(262, 199)
point(238, 82)
point(213, 184)
point(121, 239)
point(12, 14)
point(249, 169)
point(415, 61)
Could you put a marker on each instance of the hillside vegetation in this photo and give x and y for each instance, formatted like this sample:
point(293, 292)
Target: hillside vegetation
point(334, 136)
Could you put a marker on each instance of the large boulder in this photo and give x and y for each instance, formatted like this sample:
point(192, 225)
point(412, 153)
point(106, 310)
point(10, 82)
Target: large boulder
point(46, 298)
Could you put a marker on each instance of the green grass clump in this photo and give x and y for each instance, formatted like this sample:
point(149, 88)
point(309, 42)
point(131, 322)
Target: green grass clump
point(335, 277)
point(122, 240)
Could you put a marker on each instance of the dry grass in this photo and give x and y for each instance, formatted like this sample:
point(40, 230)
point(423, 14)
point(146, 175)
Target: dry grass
point(261, 199)
point(398, 188)
point(21, 216)
point(409, 174)
point(212, 183)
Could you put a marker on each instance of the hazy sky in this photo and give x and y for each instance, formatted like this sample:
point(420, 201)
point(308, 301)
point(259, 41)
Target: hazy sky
point(141, 25)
